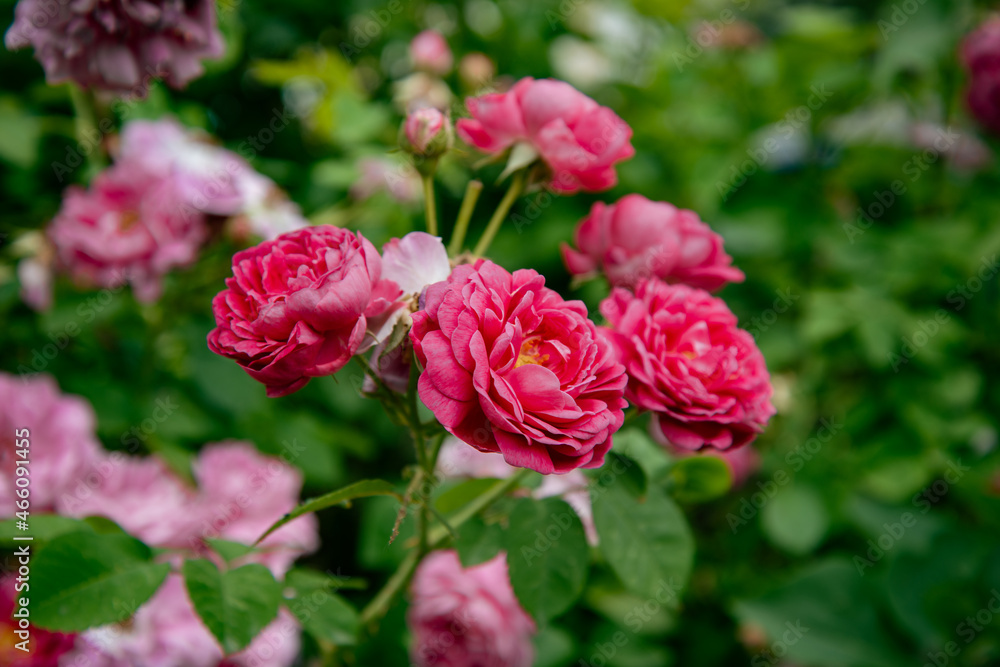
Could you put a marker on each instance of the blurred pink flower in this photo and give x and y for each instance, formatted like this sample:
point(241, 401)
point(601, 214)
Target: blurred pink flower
point(426, 132)
point(636, 238)
point(209, 178)
point(242, 493)
point(688, 363)
point(511, 367)
point(981, 55)
point(62, 448)
point(400, 180)
point(578, 139)
point(130, 225)
point(117, 45)
point(465, 617)
point(46, 648)
point(301, 305)
point(429, 52)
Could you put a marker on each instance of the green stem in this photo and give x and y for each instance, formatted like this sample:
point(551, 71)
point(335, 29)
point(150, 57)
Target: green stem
point(516, 187)
point(429, 206)
point(380, 603)
point(85, 111)
point(472, 191)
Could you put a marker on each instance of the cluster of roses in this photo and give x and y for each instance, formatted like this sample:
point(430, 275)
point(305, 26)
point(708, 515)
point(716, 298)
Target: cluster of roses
point(505, 364)
point(981, 56)
point(239, 495)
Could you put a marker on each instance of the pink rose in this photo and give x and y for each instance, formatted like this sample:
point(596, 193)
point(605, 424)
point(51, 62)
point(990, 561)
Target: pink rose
point(166, 631)
point(62, 448)
point(688, 363)
point(299, 306)
point(429, 52)
point(578, 139)
point(128, 225)
point(242, 493)
point(465, 617)
point(141, 495)
point(426, 132)
point(115, 45)
point(510, 366)
point(981, 55)
point(636, 238)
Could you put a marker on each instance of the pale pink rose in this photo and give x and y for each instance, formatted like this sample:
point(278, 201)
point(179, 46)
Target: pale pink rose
point(243, 493)
point(476, 70)
point(208, 177)
point(130, 225)
point(574, 488)
point(467, 617)
point(412, 262)
point(981, 56)
point(166, 631)
point(511, 367)
point(116, 45)
point(636, 238)
point(963, 150)
point(141, 495)
point(301, 305)
point(420, 90)
point(429, 52)
point(688, 363)
point(35, 276)
point(578, 139)
point(62, 448)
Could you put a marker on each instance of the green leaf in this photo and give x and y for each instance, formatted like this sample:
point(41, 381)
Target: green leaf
point(547, 556)
point(478, 541)
point(698, 479)
point(646, 541)
point(234, 605)
point(41, 527)
point(795, 519)
point(229, 551)
point(324, 614)
point(81, 580)
point(363, 489)
point(462, 494)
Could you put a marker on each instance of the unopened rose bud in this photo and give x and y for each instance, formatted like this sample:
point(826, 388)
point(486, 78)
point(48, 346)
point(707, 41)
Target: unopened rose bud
point(430, 53)
point(427, 133)
point(476, 70)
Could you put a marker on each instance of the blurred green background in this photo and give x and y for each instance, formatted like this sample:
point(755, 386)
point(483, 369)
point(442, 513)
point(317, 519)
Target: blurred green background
point(869, 536)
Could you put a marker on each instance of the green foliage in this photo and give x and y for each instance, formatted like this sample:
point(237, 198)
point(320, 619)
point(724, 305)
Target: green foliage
point(235, 605)
point(82, 580)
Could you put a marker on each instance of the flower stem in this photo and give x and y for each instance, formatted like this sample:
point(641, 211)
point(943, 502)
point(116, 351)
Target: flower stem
point(85, 110)
point(429, 205)
point(516, 187)
point(472, 191)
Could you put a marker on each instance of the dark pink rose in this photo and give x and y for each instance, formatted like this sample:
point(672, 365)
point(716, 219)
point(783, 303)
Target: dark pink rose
point(118, 45)
point(45, 647)
point(301, 305)
point(577, 138)
point(510, 366)
point(467, 617)
point(981, 55)
point(636, 238)
point(688, 363)
point(130, 226)
point(62, 449)
point(429, 52)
